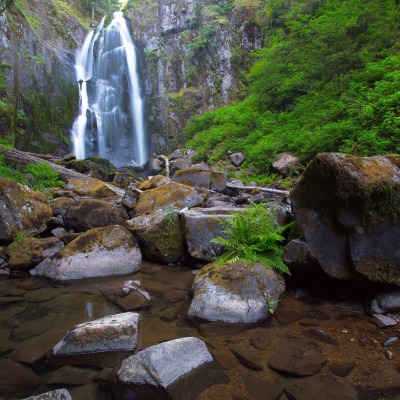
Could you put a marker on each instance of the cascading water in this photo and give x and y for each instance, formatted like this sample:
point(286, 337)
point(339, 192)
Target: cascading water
point(110, 123)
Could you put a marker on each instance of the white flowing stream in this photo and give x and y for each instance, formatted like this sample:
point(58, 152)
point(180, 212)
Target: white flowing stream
point(111, 121)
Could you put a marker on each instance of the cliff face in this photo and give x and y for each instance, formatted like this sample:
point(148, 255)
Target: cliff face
point(193, 52)
point(38, 92)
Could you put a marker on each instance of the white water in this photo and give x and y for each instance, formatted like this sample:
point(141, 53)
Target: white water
point(111, 121)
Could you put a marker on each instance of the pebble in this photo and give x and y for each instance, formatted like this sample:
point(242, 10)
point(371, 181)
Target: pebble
point(344, 331)
point(389, 355)
point(391, 341)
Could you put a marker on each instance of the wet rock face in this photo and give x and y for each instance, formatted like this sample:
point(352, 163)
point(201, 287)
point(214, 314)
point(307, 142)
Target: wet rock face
point(117, 332)
point(99, 252)
point(22, 209)
point(193, 50)
point(236, 293)
point(345, 207)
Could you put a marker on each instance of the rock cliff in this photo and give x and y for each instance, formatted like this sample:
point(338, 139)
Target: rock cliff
point(193, 54)
point(38, 92)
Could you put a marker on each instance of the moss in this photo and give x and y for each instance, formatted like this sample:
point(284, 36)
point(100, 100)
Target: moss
point(379, 270)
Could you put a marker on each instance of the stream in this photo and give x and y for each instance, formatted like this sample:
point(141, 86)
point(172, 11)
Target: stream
point(36, 313)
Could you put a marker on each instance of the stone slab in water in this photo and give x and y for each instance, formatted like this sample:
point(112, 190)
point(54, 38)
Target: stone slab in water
point(164, 363)
point(117, 332)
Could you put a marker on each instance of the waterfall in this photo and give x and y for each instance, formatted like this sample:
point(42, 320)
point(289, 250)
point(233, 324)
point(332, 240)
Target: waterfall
point(111, 122)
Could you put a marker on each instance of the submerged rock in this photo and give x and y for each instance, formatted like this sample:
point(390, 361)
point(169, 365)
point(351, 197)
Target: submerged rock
point(22, 209)
point(163, 364)
point(236, 293)
point(99, 252)
point(117, 332)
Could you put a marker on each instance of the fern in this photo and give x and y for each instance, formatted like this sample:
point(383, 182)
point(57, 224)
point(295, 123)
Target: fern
point(252, 236)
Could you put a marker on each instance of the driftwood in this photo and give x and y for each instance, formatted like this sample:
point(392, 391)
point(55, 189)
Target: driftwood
point(166, 161)
point(21, 159)
point(261, 189)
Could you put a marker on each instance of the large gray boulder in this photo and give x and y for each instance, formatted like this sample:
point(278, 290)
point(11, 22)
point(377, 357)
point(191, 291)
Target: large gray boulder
point(22, 209)
point(236, 293)
point(200, 226)
point(99, 252)
point(387, 302)
point(163, 364)
point(346, 207)
point(286, 164)
point(117, 332)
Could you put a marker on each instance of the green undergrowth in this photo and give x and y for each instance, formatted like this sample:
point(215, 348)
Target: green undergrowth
point(253, 236)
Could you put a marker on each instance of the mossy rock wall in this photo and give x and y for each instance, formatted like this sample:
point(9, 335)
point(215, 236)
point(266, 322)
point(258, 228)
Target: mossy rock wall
point(38, 90)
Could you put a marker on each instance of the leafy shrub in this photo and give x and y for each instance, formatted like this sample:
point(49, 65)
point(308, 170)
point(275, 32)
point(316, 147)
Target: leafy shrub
point(253, 236)
point(43, 176)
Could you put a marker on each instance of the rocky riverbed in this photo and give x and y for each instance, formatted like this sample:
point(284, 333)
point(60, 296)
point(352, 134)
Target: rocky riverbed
point(311, 348)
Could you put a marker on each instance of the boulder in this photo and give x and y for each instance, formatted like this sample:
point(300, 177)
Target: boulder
point(93, 213)
point(171, 194)
point(236, 293)
point(99, 252)
point(163, 364)
point(90, 187)
point(194, 176)
point(130, 198)
point(286, 164)
point(155, 166)
point(346, 208)
point(22, 209)
point(31, 251)
point(181, 163)
point(388, 302)
point(159, 235)
point(298, 256)
point(60, 205)
point(237, 159)
point(16, 380)
point(218, 180)
point(59, 394)
point(154, 182)
point(117, 332)
point(200, 227)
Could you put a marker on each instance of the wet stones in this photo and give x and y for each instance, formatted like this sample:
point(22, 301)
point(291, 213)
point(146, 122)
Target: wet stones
point(386, 302)
point(299, 357)
point(235, 293)
point(163, 365)
point(60, 394)
point(117, 332)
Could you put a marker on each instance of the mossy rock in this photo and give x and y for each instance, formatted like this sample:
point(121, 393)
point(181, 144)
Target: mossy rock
point(90, 187)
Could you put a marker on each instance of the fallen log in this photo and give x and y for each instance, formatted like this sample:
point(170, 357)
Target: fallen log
point(261, 189)
point(21, 159)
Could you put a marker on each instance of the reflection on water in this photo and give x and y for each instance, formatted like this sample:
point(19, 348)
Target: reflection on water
point(88, 311)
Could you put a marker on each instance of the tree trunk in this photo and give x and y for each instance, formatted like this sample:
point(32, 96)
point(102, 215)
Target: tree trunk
point(261, 189)
point(21, 159)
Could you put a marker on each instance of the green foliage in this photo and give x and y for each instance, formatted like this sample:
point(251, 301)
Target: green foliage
point(327, 80)
point(253, 236)
point(18, 238)
point(43, 176)
point(12, 173)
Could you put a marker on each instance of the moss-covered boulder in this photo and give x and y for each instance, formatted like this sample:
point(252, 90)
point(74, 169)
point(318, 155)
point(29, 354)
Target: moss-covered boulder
point(159, 235)
point(154, 182)
point(170, 194)
point(236, 292)
point(97, 167)
point(22, 209)
point(90, 187)
point(60, 205)
point(99, 252)
point(348, 208)
point(195, 177)
point(31, 251)
point(93, 213)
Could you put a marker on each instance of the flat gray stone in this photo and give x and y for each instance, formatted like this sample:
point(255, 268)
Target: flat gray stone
point(383, 321)
point(117, 332)
point(387, 302)
point(164, 363)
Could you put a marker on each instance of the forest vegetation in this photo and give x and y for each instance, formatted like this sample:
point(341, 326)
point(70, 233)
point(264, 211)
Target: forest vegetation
point(327, 79)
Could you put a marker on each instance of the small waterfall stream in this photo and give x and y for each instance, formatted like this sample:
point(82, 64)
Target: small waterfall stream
point(111, 121)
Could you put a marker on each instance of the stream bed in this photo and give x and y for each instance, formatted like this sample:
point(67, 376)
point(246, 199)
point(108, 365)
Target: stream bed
point(36, 313)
